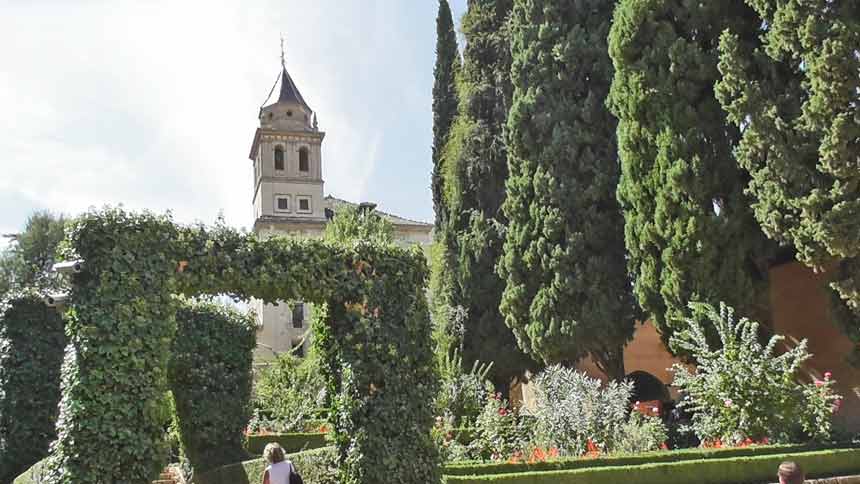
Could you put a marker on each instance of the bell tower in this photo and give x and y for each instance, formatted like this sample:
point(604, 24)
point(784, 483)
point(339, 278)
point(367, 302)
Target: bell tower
point(287, 157)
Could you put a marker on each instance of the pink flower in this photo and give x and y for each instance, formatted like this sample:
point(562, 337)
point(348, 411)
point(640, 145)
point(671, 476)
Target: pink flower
point(819, 383)
point(727, 402)
point(503, 411)
point(828, 375)
point(655, 410)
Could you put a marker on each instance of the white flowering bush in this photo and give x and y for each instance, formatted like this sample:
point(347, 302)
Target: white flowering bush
point(744, 391)
point(572, 409)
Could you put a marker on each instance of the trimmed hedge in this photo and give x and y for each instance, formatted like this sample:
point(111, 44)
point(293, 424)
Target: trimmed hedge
point(493, 468)
point(372, 331)
point(31, 354)
point(292, 442)
point(316, 466)
point(34, 475)
point(210, 377)
point(700, 471)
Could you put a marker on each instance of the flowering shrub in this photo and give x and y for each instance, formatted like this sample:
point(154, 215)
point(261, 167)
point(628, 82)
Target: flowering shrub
point(744, 390)
point(500, 433)
point(572, 409)
point(445, 436)
point(641, 433)
point(463, 394)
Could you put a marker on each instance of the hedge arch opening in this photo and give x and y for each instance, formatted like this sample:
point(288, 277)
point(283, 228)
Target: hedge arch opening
point(373, 335)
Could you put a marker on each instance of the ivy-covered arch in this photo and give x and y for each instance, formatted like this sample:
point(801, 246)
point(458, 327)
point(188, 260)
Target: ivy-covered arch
point(374, 335)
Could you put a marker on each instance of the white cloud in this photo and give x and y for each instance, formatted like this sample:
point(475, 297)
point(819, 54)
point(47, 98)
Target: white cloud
point(153, 104)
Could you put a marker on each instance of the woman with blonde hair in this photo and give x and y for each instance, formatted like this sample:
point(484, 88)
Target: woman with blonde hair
point(279, 470)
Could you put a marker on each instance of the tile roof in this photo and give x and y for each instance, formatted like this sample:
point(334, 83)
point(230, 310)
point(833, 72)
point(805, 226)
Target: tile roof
point(334, 203)
point(289, 92)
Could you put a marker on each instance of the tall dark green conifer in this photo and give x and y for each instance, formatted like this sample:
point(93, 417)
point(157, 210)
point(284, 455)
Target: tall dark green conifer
point(568, 294)
point(689, 231)
point(475, 168)
point(794, 90)
point(444, 99)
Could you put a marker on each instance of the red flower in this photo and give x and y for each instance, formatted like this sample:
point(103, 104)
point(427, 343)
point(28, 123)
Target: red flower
point(503, 411)
point(664, 446)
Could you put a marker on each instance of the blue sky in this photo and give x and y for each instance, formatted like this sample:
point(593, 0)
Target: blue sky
point(153, 104)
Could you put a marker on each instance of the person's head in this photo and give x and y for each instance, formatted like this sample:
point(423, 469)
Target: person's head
point(790, 473)
point(273, 453)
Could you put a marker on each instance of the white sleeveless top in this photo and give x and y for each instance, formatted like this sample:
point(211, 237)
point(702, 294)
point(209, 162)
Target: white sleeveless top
point(279, 473)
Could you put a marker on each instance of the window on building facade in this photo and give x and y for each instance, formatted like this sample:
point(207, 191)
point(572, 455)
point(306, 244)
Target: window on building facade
point(282, 203)
point(298, 315)
point(304, 164)
point(279, 158)
point(304, 204)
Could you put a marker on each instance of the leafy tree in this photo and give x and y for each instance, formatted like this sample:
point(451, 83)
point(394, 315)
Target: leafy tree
point(567, 294)
point(794, 91)
point(445, 98)
point(27, 262)
point(356, 223)
point(688, 227)
point(475, 168)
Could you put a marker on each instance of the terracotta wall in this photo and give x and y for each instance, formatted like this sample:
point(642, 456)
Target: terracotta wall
point(800, 310)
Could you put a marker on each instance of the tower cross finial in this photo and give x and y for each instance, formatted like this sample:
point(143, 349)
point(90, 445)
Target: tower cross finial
point(283, 59)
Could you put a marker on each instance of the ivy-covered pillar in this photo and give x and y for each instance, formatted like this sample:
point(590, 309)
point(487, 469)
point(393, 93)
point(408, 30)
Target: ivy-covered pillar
point(120, 322)
point(374, 333)
point(31, 351)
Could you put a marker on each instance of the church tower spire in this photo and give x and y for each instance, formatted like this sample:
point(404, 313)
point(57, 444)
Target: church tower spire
point(287, 157)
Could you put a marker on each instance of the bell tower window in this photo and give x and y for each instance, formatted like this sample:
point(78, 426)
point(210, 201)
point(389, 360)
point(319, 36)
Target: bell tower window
point(303, 160)
point(279, 158)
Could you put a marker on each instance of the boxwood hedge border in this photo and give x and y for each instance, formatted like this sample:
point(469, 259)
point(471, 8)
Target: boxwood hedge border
point(733, 470)
point(291, 442)
point(485, 468)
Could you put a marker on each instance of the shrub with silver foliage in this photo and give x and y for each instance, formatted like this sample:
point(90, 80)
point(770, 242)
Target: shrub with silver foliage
point(571, 409)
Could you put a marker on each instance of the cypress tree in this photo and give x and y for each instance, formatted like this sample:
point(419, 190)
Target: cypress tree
point(567, 294)
point(475, 167)
point(689, 232)
point(444, 98)
point(794, 91)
